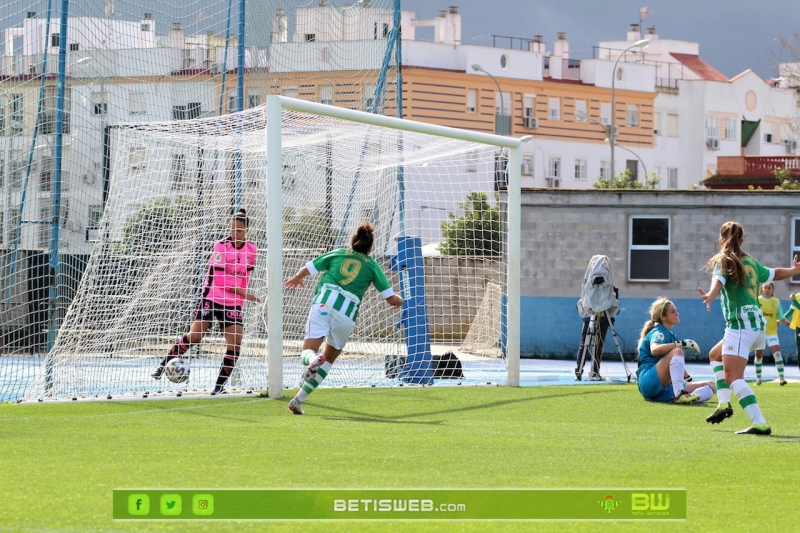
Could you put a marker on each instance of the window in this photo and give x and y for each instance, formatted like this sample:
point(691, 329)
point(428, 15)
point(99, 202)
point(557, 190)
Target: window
point(381, 30)
point(15, 107)
point(656, 123)
point(730, 129)
point(527, 165)
point(648, 248)
point(253, 98)
point(672, 125)
point(311, 37)
point(672, 177)
point(55, 40)
point(473, 157)
point(2, 177)
point(179, 112)
point(193, 110)
point(2, 117)
point(632, 166)
point(795, 244)
point(2, 230)
point(136, 159)
point(16, 169)
point(605, 170)
point(177, 172)
point(368, 96)
point(580, 169)
point(145, 26)
point(46, 173)
point(326, 94)
point(555, 109)
point(580, 111)
point(45, 214)
point(504, 100)
point(290, 91)
point(472, 100)
point(100, 103)
point(633, 116)
point(137, 103)
point(527, 108)
point(74, 47)
point(605, 114)
point(712, 127)
point(553, 167)
point(95, 214)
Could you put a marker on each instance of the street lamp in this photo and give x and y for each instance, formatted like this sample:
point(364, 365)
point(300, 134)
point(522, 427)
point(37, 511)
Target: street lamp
point(638, 44)
point(505, 130)
point(637, 157)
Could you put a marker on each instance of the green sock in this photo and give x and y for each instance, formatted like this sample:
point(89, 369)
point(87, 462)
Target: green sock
point(759, 364)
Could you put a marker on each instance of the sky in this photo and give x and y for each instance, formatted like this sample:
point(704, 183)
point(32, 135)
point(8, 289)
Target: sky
point(734, 35)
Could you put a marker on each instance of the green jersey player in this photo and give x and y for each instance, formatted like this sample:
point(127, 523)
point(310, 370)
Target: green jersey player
point(346, 276)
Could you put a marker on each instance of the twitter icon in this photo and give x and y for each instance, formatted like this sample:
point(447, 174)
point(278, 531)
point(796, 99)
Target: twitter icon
point(170, 504)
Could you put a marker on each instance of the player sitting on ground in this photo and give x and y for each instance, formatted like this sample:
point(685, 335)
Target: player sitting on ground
point(661, 359)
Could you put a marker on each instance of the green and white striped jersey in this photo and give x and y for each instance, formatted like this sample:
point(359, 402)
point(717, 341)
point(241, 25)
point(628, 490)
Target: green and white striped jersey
point(347, 276)
point(740, 302)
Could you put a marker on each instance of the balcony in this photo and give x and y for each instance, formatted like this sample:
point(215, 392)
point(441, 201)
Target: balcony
point(742, 172)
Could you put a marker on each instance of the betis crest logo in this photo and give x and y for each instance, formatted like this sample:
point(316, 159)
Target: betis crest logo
point(609, 503)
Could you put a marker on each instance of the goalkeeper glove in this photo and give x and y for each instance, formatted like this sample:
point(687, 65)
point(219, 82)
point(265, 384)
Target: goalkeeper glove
point(689, 343)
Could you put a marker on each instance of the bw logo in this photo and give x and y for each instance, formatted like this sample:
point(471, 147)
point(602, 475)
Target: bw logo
point(649, 502)
point(609, 503)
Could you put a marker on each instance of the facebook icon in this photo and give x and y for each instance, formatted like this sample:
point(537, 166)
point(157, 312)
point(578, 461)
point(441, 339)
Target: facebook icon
point(138, 504)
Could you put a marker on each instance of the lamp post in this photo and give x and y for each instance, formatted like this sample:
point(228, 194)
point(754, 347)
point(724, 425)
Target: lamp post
point(505, 130)
point(638, 44)
point(637, 157)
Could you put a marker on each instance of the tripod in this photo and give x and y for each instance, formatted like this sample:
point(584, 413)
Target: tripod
point(592, 342)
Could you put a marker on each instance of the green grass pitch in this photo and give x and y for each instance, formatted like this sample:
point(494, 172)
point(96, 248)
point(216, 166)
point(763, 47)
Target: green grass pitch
point(60, 462)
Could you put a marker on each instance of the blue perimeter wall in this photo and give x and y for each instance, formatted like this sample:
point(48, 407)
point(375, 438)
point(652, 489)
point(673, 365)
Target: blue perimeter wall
point(551, 327)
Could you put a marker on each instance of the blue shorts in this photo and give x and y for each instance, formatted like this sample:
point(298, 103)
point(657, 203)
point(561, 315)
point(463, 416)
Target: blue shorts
point(651, 388)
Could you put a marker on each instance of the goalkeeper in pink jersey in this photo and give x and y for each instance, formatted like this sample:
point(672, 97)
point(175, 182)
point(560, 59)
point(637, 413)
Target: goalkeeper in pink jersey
point(224, 293)
point(346, 276)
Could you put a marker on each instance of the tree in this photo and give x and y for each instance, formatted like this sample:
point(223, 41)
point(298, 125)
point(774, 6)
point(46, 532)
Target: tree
point(157, 224)
point(787, 182)
point(476, 232)
point(624, 180)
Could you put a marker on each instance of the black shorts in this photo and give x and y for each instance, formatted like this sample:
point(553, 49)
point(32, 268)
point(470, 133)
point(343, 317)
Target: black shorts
point(226, 315)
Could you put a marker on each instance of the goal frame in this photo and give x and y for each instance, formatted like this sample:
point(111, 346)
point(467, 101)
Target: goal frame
point(275, 105)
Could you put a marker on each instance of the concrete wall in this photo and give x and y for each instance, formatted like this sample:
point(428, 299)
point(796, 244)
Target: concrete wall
point(562, 230)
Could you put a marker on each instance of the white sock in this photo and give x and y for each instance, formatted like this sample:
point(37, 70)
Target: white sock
point(705, 392)
point(747, 399)
point(676, 367)
point(723, 391)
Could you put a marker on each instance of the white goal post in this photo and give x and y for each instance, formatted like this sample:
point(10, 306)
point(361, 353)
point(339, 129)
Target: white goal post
point(275, 107)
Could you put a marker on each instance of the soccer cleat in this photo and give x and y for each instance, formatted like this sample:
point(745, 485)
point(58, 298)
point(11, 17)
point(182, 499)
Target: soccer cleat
point(720, 414)
point(156, 374)
point(294, 407)
point(783, 382)
point(759, 382)
point(311, 372)
point(756, 429)
point(685, 397)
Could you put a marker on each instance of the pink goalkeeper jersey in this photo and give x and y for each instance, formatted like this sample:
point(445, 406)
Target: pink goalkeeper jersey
point(230, 267)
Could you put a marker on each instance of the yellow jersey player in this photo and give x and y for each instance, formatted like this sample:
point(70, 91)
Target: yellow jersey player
point(773, 313)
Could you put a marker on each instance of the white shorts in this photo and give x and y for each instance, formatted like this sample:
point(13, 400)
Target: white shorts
point(324, 321)
point(770, 340)
point(742, 341)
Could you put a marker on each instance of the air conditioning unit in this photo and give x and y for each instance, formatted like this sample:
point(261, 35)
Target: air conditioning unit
point(553, 182)
point(531, 122)
point(527, 167)
point(790, 145)
point(712, 143)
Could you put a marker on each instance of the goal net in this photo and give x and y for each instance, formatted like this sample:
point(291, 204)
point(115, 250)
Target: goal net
point(440, 237)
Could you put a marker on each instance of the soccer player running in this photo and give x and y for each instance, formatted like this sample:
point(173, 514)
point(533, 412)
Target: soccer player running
point(773, 314)
point(662, 364)
point(347, 274)
point(224, 293)
point(793, 315)
point(736, 277)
